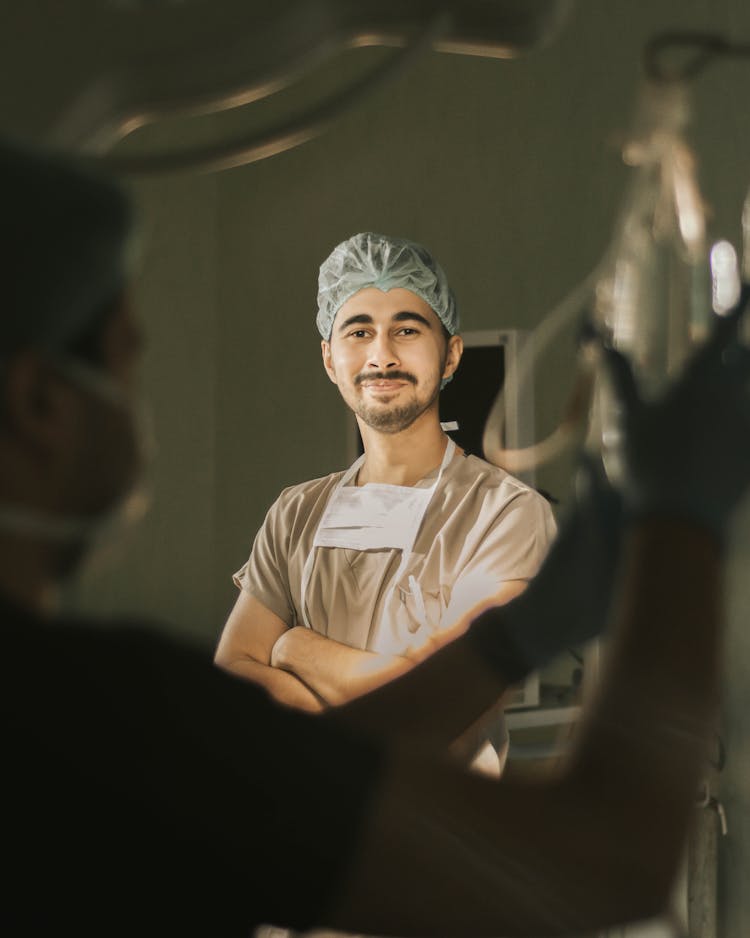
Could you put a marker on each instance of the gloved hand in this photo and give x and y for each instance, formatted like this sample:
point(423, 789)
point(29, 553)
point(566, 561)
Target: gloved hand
point(688, 454)
point(567, 602)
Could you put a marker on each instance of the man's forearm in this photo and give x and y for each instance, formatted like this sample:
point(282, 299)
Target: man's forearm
point(283, 686)
point(364, 681)
point(336, 672)
point(434, 704)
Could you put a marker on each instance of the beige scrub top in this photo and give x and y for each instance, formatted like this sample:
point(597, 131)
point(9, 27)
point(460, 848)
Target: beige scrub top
point(482, 527)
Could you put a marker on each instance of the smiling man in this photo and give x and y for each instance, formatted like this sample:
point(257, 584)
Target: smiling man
point(352, 575)
point(149, 793)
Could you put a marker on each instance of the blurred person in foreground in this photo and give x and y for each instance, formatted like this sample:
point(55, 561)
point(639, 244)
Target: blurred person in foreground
point(149, 792)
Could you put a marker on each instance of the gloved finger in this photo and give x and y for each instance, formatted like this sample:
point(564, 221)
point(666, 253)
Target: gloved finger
point(595, 495)
point(736, 357)
point(726, 326)
point(590, 477)
point(621, 375)
point(738, 310)
point(722, 348)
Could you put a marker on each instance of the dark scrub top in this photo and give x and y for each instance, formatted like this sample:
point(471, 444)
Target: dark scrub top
point(149, 793)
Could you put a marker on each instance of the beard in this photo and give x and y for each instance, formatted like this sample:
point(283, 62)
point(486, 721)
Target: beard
point(387, 419)
point(393, 420)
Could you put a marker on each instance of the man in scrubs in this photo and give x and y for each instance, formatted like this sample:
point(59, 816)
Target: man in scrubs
point(146, 792)
point(352, 574)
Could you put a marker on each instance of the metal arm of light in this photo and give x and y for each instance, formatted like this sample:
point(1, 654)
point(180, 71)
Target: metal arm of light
point(670, 60)
point(207, 75)
point(251, 148)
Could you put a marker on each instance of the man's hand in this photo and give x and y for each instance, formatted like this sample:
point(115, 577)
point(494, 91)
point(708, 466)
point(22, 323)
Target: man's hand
point(335, 672)
point(245, 650)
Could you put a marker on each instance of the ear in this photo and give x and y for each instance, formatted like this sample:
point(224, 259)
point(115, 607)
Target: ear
point(325, 348)
point(36, 403)
point(453, 355)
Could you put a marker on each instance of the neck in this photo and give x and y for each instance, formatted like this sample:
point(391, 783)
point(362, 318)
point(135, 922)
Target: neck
point(26, 576)
point(32, 567)
point(402, 458)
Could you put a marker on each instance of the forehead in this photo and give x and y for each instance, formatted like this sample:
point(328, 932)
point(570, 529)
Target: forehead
point(382, 305)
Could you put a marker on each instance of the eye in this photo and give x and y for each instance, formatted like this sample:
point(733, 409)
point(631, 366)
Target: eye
point(408, 330)
point(357, 334)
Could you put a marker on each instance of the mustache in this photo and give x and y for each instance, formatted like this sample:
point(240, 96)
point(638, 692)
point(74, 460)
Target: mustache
point(384, 376)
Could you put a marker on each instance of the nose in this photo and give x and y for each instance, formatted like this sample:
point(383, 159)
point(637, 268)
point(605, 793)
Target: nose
point(382, 354)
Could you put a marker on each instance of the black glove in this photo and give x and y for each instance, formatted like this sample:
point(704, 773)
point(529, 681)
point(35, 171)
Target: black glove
point(688, 454)
point(567, 602)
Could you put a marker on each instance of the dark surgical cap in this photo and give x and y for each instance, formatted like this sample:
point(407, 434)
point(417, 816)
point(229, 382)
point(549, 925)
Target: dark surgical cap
point(65, 243)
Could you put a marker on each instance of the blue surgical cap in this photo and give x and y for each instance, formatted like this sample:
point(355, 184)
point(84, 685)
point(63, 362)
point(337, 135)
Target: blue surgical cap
point(65, 247)
point(376, 260)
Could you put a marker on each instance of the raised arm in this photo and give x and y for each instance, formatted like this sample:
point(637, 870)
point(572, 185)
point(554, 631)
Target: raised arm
point(594, 846)
point(599, 842)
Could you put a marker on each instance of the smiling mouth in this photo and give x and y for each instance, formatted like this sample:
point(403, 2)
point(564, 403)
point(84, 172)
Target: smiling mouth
point(383, 385)
point(384, 380)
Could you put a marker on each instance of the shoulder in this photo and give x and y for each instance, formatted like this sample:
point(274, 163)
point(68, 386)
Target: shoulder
point(473, 471)
point(479, 489)
point(304, 495)
point(294, 516)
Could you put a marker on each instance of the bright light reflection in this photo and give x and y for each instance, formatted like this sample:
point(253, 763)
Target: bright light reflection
point(725, 278)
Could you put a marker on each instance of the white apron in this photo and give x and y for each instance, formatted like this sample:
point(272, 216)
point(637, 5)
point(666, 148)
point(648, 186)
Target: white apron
point(375, 516)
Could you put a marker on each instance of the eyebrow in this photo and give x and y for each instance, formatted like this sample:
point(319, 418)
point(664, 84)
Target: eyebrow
point(403, 316)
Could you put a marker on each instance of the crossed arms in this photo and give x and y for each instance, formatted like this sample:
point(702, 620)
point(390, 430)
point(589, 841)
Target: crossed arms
point(304, 669)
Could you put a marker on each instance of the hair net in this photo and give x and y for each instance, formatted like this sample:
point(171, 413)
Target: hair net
point(375, 260)
point(64, 247)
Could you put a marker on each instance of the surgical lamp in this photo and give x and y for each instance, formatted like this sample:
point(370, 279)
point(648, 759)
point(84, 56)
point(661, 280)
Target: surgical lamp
point(162, 60)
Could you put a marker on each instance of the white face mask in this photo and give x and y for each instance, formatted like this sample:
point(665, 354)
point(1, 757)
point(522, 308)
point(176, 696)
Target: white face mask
point(129, 508)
